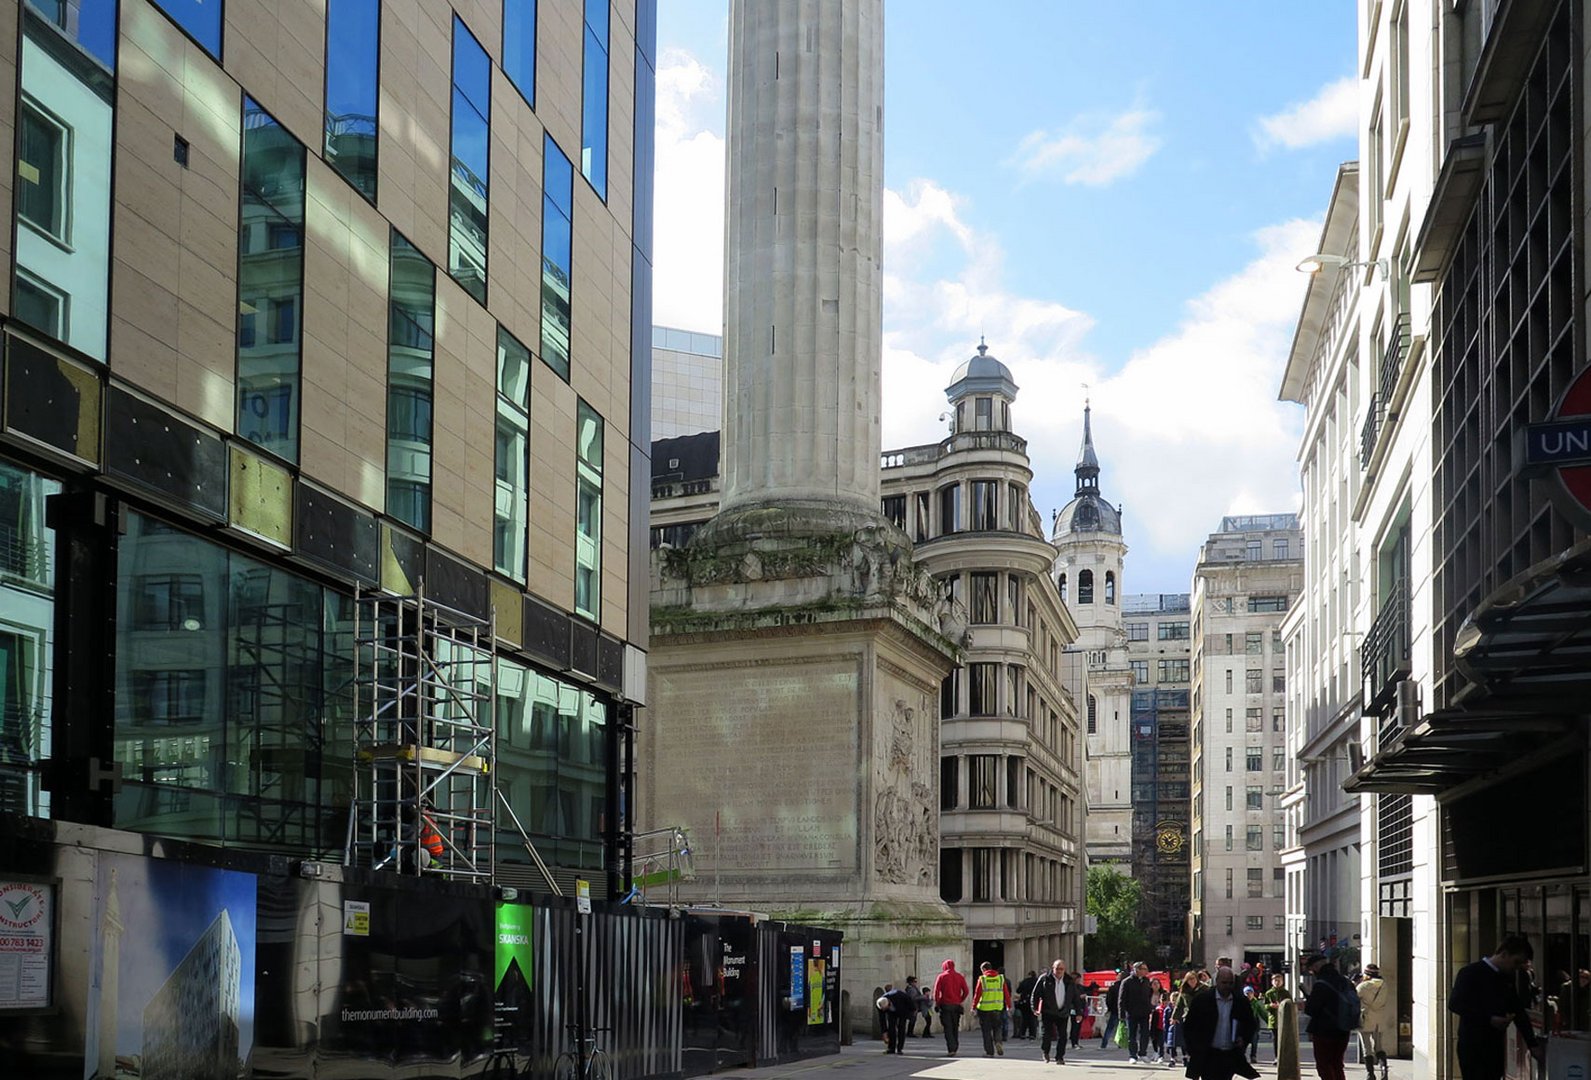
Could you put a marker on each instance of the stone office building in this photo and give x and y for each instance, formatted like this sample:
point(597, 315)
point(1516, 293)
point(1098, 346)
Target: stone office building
point(1248, 575)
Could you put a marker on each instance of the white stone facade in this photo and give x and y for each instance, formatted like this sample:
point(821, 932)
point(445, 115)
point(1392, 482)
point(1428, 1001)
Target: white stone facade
point(1249, 574)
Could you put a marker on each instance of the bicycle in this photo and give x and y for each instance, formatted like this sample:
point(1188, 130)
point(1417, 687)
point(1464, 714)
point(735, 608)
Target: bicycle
point(567, 1064)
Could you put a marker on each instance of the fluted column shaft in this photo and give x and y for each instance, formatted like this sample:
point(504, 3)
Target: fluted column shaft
point(804, 249)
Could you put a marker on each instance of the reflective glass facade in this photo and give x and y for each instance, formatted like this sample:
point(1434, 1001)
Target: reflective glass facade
point(200, 19)
point(411, 345)
point(467, 190)
point(61, 281)
point(511, 488)
point(270, 283)
point(557, 256)
point(233, 696)
point(552, 749)
point(519, 46)
point(594, 99)
point(27, 637)
point(588, 512)
point(353, 27)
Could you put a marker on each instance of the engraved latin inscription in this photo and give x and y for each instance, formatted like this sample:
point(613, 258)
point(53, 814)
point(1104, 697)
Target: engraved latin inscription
point(771, 748)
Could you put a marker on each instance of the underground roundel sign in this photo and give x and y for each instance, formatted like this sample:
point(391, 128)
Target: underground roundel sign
point(1559, 449)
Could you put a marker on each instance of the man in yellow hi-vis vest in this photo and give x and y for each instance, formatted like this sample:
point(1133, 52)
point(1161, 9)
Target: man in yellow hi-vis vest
point(991, 997)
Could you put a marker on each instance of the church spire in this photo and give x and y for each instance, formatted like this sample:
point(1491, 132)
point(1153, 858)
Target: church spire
point(1087, 462)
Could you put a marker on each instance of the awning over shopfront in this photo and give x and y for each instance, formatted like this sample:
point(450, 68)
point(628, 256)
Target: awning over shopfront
point(1526, 651)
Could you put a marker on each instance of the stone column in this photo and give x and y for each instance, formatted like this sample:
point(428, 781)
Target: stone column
point(803, 256)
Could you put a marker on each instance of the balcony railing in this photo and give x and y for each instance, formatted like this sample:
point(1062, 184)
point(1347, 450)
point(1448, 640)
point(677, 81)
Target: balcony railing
point(26, 556)
point(1384, 657)
point(1368, 433)
point(1392, 357)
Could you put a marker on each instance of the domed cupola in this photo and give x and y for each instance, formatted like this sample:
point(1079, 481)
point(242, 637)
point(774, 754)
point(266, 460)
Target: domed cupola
point(1088, 512)
point(981, 391)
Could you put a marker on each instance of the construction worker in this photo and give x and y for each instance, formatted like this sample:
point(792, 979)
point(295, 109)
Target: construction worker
point(990, 999)
point(430, 836)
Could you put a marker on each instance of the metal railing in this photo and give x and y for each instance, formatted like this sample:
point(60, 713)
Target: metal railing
point(1368, 433)
point(1393, 355)
point(1384, 656)
point(25, 555)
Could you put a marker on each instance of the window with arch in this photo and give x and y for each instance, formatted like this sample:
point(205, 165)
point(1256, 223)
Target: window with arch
point(1085, 586)
point(1110, 587)
point(1060, 583)
point(1093, 712)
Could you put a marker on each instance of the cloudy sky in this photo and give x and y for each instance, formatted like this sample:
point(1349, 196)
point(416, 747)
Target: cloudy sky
point(1115, 194)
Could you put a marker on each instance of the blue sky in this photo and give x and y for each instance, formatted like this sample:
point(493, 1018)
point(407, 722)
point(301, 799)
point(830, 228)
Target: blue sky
point(1115, 194)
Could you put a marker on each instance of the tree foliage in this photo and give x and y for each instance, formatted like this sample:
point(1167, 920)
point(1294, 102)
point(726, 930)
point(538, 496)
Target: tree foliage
point(1113, 899)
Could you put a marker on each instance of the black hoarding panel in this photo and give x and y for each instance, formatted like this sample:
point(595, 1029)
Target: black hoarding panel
point(547, 634)
point(800, 993)
point(455, 584)
point(151, 448)
point(583, 648)
point(336, 536)
point(610, 663)
point(52, 399)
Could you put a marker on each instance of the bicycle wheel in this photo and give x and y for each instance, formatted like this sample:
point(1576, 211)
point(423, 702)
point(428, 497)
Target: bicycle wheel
point(566, 1067)
point(597, 1067)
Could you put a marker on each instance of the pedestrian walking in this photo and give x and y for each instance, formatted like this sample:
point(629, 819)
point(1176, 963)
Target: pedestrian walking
point(1217, 1030)
point(1112, 1005)
point(1273, 999)
point(1083, 1005)
point(1053, 999)
point(896, 1005)
point(1136, 1002)
point(1261, 1017)
point(1026, 1023)
point(914, 992)
point(1377, 1015)
point(1333, 1011)
point(1486, 1001)
point(950, 996)
point(1187, 990)
point(1159, 1015)
point(991, 997)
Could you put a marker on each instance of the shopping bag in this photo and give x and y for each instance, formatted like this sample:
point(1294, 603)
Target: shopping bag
point(1121, 1034)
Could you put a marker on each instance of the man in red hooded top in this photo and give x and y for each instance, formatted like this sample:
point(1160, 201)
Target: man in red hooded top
point(950, 994)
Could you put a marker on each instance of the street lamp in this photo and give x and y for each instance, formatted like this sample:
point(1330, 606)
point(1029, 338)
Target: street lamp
point(1325, 261)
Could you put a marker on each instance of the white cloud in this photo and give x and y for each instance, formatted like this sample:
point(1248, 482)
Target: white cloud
point(1090, 150)
point(1333, 113)
point(1188, 428)
point(688, 234)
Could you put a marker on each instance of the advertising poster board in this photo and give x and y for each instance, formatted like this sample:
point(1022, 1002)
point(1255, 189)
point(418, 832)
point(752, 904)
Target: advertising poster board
point(816, 985)
point(173, 971)
point(27, 944)
point(512, 974)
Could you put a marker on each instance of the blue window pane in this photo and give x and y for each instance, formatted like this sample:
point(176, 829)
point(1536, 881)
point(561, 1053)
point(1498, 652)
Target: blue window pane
point(594, 99)
point(200, 18)
point(354, 26)
point(90, 23)
point(597, 19)
point(519, 46)
point(270, 283)
point(557, 238)
point(472, 69)
point(468, 169)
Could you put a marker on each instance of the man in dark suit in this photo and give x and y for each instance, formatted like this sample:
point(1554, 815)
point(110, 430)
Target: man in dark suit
point(1218, 1029)
point(1052, 1002)
point(1485, 1001)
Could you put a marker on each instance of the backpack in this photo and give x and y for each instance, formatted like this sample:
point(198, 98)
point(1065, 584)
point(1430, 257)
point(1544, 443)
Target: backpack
point(1348, 1008)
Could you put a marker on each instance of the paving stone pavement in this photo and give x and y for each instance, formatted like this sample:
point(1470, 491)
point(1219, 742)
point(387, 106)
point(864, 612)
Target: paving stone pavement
point(926, 1058)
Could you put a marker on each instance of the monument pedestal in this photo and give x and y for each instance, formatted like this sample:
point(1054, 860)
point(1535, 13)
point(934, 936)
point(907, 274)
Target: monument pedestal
point(792, 729)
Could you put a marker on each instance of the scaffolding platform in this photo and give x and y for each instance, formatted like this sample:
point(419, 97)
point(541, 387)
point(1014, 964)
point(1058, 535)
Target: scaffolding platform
point(425, 742)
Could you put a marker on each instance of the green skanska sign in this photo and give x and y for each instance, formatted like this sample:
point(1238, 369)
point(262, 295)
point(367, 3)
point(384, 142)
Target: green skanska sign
point(513, 940)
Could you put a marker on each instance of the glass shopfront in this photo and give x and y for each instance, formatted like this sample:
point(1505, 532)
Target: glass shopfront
point(27, 637)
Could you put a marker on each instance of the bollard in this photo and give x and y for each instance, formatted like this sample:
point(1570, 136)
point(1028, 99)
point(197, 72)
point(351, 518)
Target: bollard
point(845, 1018)
point(1287, 1065)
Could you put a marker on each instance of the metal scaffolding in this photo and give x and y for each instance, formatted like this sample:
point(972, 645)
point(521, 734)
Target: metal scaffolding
point(425, 744)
